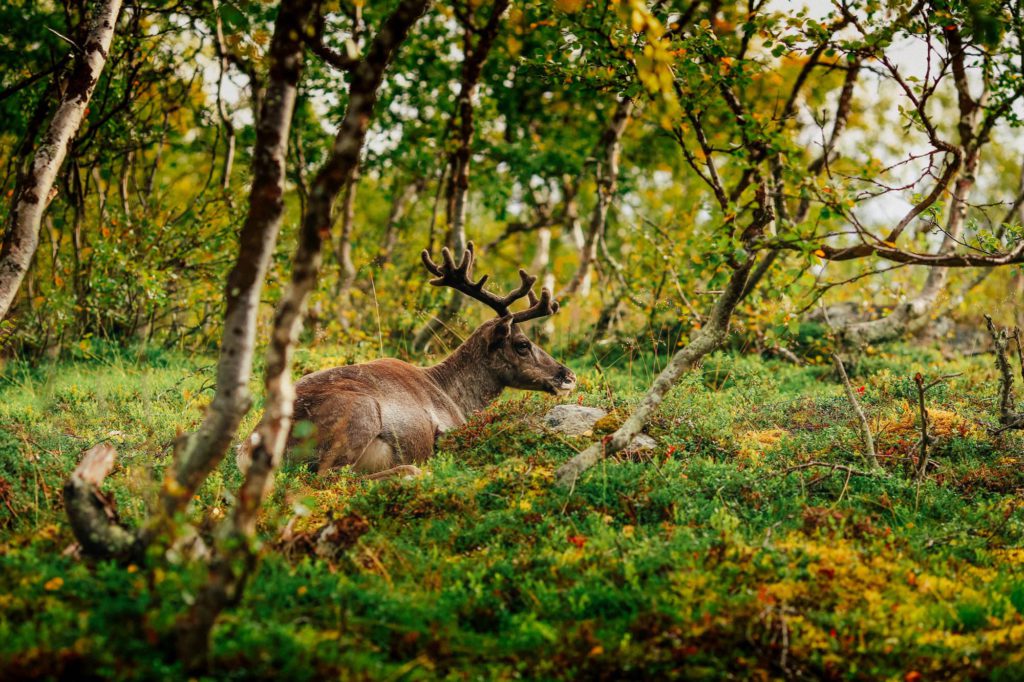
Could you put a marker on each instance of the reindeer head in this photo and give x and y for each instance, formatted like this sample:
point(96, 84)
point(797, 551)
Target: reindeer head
point(509, 355)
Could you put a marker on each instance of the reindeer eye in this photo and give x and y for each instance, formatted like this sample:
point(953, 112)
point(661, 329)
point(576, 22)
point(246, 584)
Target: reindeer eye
point(522, 347)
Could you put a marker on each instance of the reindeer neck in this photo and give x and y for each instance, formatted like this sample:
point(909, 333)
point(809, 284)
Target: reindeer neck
point(464, 377)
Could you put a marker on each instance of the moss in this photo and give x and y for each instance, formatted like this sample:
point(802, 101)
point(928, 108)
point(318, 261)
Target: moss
point(686, 564)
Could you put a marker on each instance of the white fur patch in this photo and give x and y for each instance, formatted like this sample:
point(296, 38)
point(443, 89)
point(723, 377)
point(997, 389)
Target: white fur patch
point(377, 456)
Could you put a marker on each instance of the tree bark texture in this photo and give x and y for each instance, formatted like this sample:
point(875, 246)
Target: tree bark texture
point(35, 188)
point(472, 68)
point(236, 557)
point(400, 202)
point(707, 339)
point(914, 314)
point(343, 252)
point(198, 453)
point(607, 181)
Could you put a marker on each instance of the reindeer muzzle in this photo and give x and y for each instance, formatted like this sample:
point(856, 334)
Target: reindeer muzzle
point(564, 381)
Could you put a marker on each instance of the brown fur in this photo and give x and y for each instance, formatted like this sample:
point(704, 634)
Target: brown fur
point(387, 413)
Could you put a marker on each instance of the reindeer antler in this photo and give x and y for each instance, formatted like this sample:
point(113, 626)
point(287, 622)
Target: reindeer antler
point(541, 307)
point(460, 278)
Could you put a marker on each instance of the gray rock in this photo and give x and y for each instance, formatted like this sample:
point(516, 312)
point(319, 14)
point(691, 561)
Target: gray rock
point(572, 420)
point(643, 442)
point(577, 420)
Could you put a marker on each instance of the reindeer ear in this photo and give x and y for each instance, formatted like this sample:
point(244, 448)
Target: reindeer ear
point(501, 332)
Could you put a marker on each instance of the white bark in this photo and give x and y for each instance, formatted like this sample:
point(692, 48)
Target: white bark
point(542, 264)
point(915, 314)
point(36, 190)
point(708, 339)
point(865, 427)
point(607, 181)
point(198, 453)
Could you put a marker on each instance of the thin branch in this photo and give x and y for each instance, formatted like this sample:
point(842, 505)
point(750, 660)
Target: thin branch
point(826, 465)
point(869, 441)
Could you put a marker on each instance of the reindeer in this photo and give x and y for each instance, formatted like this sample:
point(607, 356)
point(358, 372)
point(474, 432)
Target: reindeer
point(382, 417)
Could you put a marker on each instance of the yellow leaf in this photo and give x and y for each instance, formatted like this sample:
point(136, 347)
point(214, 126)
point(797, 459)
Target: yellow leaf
point(820, 253)
point(53, 584)
point(569, 6)
point(636, 21)
point(173, 488)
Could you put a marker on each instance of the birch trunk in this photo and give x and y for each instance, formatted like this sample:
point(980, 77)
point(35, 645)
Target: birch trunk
point(708, 339)
point(574, 227)
point(607, 181)
point(915, 314)
point(236, 557)
point(472, 67)
point(542, 265)
point(36, 187)
point(198, 453)
point(399, 206)
point(222, 110)
point(347, 269)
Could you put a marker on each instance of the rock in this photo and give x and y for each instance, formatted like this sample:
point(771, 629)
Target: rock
point(643, 442)
point(573, 420)
point(577, 420)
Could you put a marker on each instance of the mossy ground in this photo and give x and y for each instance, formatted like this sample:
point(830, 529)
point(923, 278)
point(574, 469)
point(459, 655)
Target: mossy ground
point(703, 559)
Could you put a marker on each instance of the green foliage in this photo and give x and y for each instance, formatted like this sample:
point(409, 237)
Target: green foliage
point(735, 548)
point(668, 562)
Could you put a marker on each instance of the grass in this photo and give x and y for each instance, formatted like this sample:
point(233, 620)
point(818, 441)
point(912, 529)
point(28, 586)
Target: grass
point(702, 559)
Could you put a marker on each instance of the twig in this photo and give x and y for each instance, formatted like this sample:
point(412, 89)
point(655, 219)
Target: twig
point(63, 37)
point(1008, 418)
point(826, 465)
point(942, 378)
point(869, 441)
point(1020, 351)
point(846, 486)
point(926, 438)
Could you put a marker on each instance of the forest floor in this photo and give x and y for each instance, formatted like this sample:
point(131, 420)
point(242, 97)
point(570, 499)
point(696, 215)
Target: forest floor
point(712, 556)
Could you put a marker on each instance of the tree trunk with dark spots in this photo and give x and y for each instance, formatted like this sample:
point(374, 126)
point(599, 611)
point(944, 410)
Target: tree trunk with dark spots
point(458, 189)
point(236, 557)
point(200, 452)
point(35, 189)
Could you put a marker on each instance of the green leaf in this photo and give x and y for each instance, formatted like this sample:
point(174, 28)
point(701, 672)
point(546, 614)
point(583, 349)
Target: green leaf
point(232, 17)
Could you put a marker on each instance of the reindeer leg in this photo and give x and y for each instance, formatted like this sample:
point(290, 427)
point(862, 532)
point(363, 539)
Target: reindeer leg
point(407, 470)
point(354, 440)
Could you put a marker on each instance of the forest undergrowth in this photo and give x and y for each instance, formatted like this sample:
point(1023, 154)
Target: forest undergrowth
point(753, 541)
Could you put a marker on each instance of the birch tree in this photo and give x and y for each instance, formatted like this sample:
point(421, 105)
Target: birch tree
point(236, 554)
point(36, 187)
point(199, 452)
point(477, 44)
